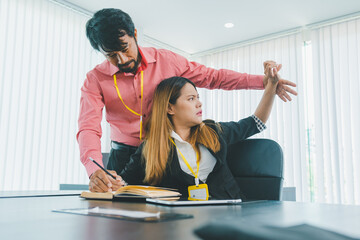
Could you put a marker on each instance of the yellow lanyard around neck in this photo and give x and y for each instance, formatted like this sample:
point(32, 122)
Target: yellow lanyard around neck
point(188, 165)
point(141, 101)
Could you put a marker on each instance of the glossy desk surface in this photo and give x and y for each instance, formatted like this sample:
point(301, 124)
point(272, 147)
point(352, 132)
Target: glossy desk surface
point(21, 194)
point(32, 218)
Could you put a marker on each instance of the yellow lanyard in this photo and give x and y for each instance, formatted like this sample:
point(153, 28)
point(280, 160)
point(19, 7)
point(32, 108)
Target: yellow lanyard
point(142, 92)
point(188, 165)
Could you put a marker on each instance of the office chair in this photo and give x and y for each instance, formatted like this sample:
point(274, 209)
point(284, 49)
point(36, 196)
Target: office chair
point(83, 186)
point(257, 165)
point(105, 159)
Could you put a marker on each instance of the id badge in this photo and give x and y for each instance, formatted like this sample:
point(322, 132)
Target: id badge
point(198, 193)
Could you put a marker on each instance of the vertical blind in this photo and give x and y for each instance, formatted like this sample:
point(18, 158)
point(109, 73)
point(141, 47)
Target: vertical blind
point(44, 58)
point(285, 124)
point(336, 94)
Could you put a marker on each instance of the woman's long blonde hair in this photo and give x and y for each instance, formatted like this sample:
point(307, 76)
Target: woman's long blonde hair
point(157, 143)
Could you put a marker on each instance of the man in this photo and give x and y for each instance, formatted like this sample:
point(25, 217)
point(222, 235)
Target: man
point(125, 83)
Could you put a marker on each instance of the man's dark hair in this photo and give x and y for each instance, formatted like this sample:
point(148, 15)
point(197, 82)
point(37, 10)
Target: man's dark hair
point(106, 26)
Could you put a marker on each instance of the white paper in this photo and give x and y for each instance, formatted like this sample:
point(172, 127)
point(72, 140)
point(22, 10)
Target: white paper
point(124, 213)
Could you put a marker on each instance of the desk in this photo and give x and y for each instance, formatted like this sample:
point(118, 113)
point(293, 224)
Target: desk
point(31, 218)
point(21, 194)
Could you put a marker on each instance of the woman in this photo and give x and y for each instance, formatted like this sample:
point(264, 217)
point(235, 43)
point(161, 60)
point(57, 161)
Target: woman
point(181, 151)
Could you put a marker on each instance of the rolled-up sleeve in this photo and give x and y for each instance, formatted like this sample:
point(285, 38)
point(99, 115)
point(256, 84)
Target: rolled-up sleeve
point(259, 124)
point(89, 123)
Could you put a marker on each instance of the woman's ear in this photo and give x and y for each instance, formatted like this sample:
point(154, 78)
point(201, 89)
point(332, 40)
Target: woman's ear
point(170, 110)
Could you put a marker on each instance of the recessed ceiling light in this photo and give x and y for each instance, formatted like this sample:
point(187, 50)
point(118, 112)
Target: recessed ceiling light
point(229, 25)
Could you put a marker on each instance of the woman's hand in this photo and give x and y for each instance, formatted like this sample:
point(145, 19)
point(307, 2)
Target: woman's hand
point(101, 182)
point(264, 108)
point(284, 86)
point(271, 72)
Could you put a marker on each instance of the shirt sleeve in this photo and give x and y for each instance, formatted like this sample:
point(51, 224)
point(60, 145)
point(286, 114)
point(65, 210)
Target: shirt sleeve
point(234, 132)
point(211, 78)
point(90, 116)
point(259, 124)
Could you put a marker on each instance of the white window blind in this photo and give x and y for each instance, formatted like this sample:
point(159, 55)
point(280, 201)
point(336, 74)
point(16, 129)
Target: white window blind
point(43, 62)
point(336, 94)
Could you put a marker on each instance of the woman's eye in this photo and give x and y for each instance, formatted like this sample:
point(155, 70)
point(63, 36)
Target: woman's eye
point(191, 98)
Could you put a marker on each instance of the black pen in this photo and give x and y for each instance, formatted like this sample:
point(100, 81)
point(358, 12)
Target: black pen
point(102, 168)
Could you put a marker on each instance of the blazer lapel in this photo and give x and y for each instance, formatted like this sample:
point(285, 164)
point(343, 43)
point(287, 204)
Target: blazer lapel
point(176, 170)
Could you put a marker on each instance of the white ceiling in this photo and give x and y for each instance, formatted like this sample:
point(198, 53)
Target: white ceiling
point(194, 26)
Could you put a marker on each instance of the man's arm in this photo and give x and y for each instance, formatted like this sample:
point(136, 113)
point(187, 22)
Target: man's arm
point(90, 116)
point(210, 78)
point(89, 134)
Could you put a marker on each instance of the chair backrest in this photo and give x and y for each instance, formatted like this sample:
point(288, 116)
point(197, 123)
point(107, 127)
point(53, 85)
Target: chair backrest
point(74, 187)
point(105, 159)
point(257, 165)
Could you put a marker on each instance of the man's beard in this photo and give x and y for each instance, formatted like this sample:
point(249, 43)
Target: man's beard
point(125, 67)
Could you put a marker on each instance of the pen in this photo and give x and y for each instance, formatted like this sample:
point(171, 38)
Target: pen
point(102, 168)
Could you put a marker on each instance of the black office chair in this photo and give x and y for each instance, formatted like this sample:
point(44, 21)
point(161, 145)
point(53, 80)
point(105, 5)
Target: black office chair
point(105, 159)
point(257, 165)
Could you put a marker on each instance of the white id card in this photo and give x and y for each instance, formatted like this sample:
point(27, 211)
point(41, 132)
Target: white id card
point(198, 193)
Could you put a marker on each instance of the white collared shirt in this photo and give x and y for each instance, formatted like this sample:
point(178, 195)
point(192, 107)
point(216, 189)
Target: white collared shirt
point(207, 161)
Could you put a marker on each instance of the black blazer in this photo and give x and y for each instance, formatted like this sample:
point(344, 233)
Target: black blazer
point(220, 181)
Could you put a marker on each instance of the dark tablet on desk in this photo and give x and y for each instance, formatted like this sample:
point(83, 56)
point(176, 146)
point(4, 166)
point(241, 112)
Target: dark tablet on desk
point(194, 203)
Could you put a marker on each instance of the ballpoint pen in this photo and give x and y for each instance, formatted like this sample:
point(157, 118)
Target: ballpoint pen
point(102, 168)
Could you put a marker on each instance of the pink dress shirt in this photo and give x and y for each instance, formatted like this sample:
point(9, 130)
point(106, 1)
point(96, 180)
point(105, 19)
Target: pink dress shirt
point(157, 64)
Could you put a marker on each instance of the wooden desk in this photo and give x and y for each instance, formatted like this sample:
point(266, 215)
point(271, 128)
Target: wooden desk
point(31, 218)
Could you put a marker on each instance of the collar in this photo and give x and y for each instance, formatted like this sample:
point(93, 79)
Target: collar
point(177, 137)
point(146, 57)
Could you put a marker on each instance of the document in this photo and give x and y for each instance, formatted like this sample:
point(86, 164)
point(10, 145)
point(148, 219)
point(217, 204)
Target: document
point(126, 214)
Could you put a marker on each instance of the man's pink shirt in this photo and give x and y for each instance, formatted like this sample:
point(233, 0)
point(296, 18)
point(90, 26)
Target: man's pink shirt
point(99, 91)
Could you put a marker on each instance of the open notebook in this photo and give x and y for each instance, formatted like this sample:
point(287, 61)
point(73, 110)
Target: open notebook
point(135, 191)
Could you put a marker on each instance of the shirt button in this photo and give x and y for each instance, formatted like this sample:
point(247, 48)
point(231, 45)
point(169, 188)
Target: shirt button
point(140, 96)
point(144, 115)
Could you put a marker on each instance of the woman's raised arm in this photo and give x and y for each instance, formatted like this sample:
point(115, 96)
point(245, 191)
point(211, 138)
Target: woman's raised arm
point(264, 108)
